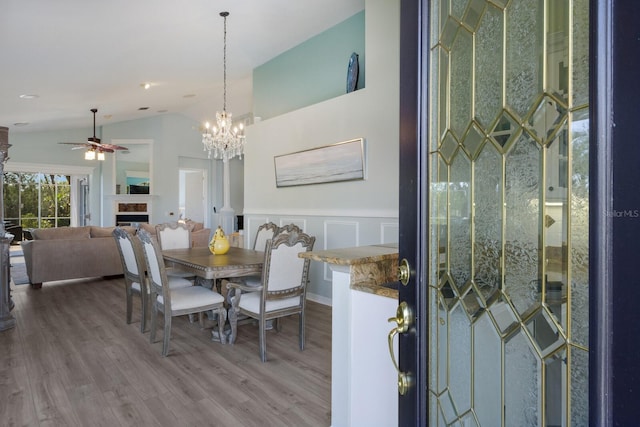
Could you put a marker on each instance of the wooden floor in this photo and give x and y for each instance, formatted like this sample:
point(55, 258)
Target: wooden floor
point(73, 361)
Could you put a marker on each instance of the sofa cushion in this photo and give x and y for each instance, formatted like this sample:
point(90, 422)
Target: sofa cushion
point(108, 231)
point(196, 225)
point(61, 233)
point(151, 229)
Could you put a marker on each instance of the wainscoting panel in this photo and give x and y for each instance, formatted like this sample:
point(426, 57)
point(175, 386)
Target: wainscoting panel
point(251, 226)
point(331, 232)
point(339, 234)
point(389, 232)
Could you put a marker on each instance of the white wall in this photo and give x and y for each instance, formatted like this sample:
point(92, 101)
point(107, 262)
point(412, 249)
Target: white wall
point(341, 214)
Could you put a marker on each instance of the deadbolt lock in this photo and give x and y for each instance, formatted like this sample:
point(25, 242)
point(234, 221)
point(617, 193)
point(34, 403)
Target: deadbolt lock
point(404, 272)
point(404, 319)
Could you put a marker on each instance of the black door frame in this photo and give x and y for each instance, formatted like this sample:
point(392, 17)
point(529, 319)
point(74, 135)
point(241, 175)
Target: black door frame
point(614, 214)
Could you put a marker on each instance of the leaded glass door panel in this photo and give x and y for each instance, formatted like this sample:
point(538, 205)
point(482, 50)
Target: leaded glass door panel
point(508, 183)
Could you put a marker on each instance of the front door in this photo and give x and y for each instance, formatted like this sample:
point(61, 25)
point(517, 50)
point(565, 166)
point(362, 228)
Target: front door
point(494, 212)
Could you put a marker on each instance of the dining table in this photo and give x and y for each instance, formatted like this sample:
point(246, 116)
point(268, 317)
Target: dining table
point(207, 267)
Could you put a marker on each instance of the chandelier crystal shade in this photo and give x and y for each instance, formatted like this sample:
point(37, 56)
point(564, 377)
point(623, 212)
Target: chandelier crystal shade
point(224, 140)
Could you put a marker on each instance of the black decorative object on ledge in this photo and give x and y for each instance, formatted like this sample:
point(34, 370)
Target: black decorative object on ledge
point(352, 73)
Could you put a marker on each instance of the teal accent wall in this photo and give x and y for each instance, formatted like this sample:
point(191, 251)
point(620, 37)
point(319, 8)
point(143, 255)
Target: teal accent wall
point(311, 72)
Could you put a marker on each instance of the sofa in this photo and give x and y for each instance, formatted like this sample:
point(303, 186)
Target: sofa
point(65, 253)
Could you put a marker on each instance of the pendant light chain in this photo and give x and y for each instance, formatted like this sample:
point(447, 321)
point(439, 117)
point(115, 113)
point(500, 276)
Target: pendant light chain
point(224, 62)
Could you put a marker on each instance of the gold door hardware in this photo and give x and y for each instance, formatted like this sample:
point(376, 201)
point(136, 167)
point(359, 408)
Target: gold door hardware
point(403, 319)
point(404, 272)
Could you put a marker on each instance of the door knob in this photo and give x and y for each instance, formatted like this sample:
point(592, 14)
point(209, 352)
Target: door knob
point(404, 319)
point(404, 272)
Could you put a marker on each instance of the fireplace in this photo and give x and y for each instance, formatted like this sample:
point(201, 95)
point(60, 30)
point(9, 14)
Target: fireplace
point(132, 213)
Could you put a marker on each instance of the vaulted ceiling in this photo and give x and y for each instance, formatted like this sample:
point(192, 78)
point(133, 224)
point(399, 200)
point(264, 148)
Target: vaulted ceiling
point(74, 55)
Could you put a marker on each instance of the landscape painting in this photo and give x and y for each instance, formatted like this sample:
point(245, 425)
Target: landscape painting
point(343, 161)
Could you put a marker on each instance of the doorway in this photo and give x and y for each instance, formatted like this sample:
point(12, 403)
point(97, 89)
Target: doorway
point(193, 194)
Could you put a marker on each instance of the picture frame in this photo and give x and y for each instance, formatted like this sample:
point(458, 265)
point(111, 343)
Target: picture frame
point(343, 161)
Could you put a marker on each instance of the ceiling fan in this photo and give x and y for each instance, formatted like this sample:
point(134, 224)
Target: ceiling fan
point(93, 144)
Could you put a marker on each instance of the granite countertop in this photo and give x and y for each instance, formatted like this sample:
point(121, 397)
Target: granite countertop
point(373, 269)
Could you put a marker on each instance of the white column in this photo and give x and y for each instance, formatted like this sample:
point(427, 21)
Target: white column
point(227, 215)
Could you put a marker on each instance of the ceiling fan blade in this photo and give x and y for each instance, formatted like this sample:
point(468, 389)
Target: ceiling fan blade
point(114, 147)
point(84, 144)
point(81, 147)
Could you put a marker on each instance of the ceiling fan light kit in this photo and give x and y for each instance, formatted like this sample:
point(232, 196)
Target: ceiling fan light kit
point(95, 149)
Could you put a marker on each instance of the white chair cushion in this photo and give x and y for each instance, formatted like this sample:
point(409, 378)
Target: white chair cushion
point(250, 301)
point(192, 297)
point(135, 286)
point(176, 272)
point(179, 282)
point(253, 281)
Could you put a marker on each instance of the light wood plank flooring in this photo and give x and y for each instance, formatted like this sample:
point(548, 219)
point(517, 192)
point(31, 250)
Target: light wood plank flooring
point(73, 361)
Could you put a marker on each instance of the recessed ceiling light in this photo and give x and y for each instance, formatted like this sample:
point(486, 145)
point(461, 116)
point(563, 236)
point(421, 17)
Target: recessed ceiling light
point(189, 95)
point(143, 108)
point(145, 85)
point(107, 116)
point(19, 124)
point(162, 111)
point(29, 96)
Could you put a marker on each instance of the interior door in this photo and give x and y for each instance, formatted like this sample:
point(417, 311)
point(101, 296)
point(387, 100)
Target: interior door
point(494, 212)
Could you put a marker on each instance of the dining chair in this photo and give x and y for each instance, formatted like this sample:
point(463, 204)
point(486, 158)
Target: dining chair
point(265, 232)
point(135, 275)
point(289, 228)
point(134, 272)
point(175, 302)
point(283, 289)
point(174, 236)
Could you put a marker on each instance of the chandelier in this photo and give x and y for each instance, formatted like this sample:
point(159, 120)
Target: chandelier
point(224, 140)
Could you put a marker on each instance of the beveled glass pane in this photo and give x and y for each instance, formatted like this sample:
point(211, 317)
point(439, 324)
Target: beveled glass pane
point(522, 380)
point(448, 147)
point(486, 366)
point(579, 362)
point(524, 44)
point(579, 236)
point(544, 332)
point(433, 337)
point(555, 374)
point(547, 119)
point(473, 140)
point(468, 420)
point(461, 82)
point(447, 408)
point(439, 198)
point(459, 220)
point(448, 291)
point(443, 106)
point(555, 226)
point(449, 33)
point(488, 67)
point(488, 220)
point(473, 13)
point(580, 62)
point(460, 359)
point(457, 8)
point(558, 49)
point(522, 196)
point(472, 302)
point(505, 129)
point(442, 346)
point(503, 316)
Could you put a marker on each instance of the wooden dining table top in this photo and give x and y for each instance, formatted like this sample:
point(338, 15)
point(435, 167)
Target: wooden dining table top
point(237, 262)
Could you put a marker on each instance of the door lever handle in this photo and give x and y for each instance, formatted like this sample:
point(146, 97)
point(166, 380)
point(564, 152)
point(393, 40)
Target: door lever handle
point(404, 318)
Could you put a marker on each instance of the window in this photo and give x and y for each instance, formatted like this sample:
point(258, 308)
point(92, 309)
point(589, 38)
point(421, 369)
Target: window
point(37, 200)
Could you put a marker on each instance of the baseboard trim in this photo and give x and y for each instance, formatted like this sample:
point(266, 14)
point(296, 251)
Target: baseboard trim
point(319, 299)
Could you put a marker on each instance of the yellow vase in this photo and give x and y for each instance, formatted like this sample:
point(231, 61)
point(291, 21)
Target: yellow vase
point(219, 243)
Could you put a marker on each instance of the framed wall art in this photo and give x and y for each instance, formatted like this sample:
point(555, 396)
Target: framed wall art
point(343, 161)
